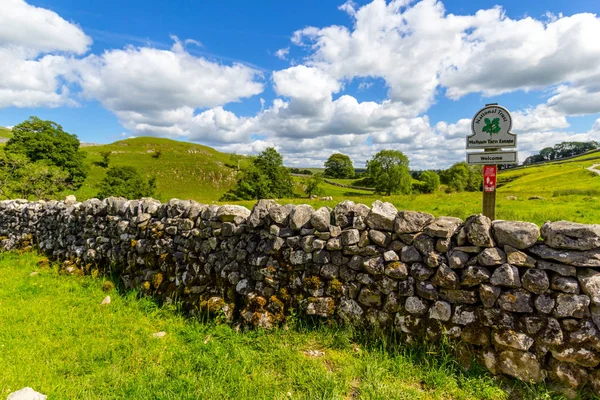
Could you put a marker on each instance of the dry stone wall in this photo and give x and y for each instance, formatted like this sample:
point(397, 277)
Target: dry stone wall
point(529, 306)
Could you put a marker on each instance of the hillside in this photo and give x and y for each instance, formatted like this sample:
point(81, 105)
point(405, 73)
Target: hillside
point(183, 170)
point(4, 134)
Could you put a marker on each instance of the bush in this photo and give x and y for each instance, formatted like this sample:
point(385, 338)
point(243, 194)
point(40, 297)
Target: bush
point(126, 182)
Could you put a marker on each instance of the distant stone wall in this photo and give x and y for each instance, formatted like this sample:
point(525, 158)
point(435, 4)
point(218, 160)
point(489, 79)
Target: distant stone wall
point(530, 307)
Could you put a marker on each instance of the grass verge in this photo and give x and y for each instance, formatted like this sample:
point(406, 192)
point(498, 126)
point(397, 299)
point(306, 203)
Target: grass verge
point(56, 337)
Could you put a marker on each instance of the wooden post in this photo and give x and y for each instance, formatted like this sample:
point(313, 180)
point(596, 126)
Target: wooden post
point(489, 198)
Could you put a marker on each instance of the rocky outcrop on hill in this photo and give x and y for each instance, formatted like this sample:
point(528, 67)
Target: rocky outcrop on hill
point(528, 306)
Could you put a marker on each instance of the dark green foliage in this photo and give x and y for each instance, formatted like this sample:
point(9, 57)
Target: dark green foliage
point(126, 182)
point(264, 178)
point(19, 177)
point(157, 154)
point(46, 141)
point(389, 172)
point(462, 177)
point(339, 166)
point(105, 159)
point(430, 181)
point(301, 171)
point(311, 185)
point(562, 150)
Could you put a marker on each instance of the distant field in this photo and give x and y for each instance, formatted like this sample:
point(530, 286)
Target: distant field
point(566, 189)
point(59, 340)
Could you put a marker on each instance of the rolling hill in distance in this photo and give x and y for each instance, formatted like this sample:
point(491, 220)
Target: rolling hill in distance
point(550, 191)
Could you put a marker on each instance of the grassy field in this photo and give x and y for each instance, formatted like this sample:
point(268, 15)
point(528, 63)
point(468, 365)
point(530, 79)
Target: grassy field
point(563, 190)
point(183, 170)
point(5, 133)
point(56, 337)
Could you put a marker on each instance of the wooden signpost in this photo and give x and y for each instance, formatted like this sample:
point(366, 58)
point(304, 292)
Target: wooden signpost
point(491, 132)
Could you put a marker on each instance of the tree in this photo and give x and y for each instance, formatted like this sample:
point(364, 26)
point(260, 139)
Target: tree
point(126, 182)
point(312, 183)
point(389, 172)
point(22, 178)
point(264, 178)
point(462, 177)
point(46, 141)
point(339, 166)
point(105, 158)
point(431, 181)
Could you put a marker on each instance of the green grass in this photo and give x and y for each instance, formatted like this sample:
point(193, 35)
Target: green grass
point(184, 170)
point(5, 133)
point(57, 338)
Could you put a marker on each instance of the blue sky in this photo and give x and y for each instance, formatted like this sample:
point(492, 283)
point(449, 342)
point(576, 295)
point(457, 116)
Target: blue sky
point(309, 78)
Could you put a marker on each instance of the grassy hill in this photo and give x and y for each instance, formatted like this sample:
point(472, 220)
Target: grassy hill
point(183, 170)
point(5, 133)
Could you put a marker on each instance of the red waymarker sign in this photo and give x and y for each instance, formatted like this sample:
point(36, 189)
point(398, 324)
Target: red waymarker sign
point(489, 178)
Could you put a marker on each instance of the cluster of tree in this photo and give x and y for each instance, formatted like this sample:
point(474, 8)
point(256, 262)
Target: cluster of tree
point(562, 150)
point(462, 177)
point(40, 160)
point(300, 171)
point(265, 177)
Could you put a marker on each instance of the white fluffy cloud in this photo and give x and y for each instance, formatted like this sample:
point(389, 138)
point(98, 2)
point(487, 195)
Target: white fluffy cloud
point(416, 49)
point(35, 49)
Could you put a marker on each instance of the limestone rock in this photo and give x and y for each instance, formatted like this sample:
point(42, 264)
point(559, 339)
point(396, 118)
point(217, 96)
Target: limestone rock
point(300, 216)
point(518, 258)
point(535, 280)
point(576, 355)
point(520, 235)
point(510, 338)
point(571, 305)
point(106, 301)
point(561, 269)
point(259, 212)
point(421, 272)
point(280, 214)
point(235, 214)
point(521, 365)
point(440, 310)
point(507, 276)
point(479, 230)
point(320, 219)
point(544, 304)
point(396, 270)
point(589, 280)
point(491, 256)
point(410, 254)
point(457, 259)
point(489, 294)
point(443, 227)
point(565, 284)
point(571, 235)
point(350, 237)
point(411, 221)
point(382, 216)
point(369, 298)
point(518, 301)
point(26, 393)
point(415, 305)
point(475, 275)
point(589, 258)
point(446, 278)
